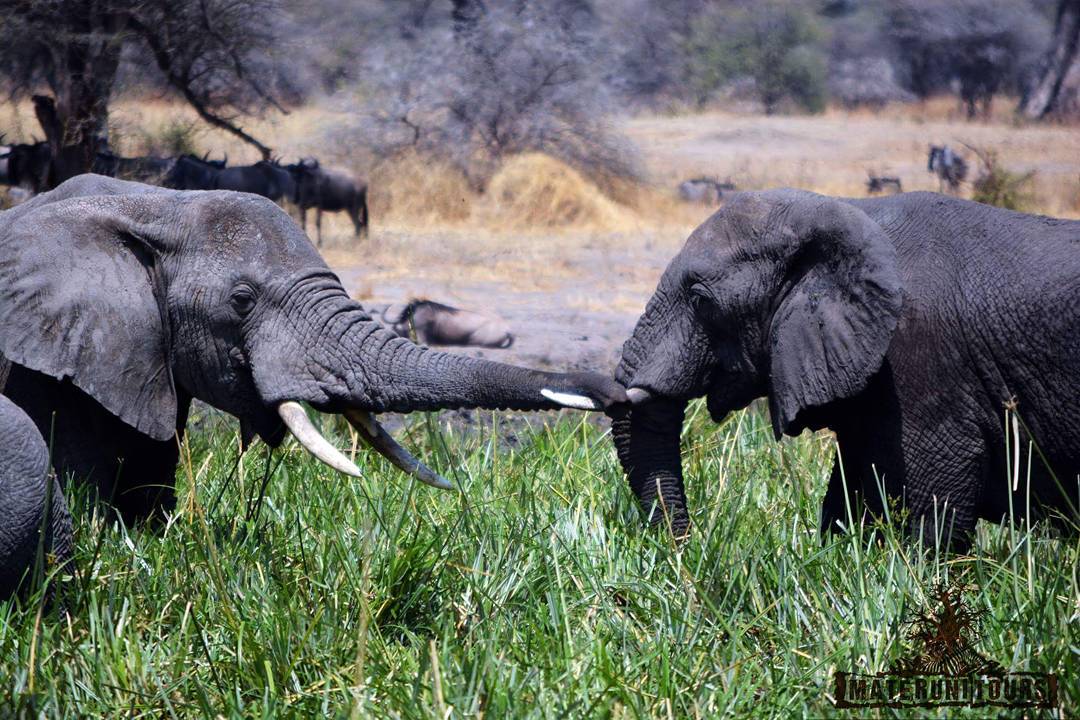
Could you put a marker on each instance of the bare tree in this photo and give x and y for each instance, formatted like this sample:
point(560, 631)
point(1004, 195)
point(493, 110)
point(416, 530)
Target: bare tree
point(212, 52)
point(1056, 91)
point(984, 45)
point(503, 79)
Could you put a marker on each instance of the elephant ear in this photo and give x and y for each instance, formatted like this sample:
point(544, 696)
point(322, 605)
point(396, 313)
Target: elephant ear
point(81, 298)
point(834, 323)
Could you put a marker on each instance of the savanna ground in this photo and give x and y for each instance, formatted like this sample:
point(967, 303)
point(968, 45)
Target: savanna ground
point(279, 588)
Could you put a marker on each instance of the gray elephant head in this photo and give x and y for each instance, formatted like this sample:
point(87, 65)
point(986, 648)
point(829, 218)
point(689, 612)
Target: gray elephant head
point(785, 295)
point(143, 297)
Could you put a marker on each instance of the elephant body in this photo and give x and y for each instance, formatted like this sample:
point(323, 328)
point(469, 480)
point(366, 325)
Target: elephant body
point(36, 523)
point(909, 325)
point(121, 302)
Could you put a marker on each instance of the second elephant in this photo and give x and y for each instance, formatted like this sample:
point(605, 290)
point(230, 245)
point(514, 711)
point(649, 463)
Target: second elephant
point(909, 325)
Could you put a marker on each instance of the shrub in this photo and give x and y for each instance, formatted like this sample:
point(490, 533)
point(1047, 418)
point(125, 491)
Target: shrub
point(778, 43)
point(999, 186)
point(509, 79)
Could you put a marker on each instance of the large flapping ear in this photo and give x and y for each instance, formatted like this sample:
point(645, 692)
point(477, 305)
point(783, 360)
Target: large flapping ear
point(832, 328)
point(82, 297)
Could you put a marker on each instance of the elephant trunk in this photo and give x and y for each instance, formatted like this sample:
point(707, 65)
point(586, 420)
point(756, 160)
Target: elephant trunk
point(411, 378)
point(345, 362)
point(647, 440)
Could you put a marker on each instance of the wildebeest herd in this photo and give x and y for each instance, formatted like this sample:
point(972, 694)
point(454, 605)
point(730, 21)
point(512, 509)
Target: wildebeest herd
point(306, 184)
point(942, 161)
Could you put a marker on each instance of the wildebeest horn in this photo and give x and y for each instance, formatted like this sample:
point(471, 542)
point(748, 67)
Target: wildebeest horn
point(376, 436)
point(300, 425)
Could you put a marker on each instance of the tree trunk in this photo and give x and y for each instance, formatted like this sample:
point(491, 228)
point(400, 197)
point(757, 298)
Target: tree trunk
point(77, 119)
point(1057, 91)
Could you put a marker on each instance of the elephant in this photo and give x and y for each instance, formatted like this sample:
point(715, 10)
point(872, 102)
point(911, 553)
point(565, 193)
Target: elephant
point(438, 324)
point(908, 325)
point(120, 303)
point(31, 500)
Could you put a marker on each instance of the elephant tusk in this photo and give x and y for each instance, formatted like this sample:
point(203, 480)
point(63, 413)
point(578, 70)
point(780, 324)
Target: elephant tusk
point(572, 400)
point(636, 395)
point(300, 425)
point(376, 436)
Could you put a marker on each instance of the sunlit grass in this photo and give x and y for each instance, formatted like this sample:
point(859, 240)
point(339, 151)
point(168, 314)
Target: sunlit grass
point(534, 592)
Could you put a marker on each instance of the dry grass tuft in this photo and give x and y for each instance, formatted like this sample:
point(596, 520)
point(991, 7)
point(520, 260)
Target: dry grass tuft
point(413, 191)
point(536, 191)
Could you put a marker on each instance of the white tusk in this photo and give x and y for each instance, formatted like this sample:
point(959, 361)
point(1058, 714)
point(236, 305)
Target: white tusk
point(376, 436)
point(300, 425)
point(636, 396)
point(572, 400)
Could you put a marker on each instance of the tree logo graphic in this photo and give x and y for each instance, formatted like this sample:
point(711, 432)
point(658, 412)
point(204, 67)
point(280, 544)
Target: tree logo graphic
point(943, 667)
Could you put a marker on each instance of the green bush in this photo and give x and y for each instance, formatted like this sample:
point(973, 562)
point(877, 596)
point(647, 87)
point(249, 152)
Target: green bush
point(1001, 187)
point(777, 43)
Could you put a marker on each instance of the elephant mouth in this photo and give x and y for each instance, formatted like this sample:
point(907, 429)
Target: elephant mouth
point(370, 431)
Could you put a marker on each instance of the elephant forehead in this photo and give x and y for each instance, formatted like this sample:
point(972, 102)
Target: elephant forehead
point(245, 229)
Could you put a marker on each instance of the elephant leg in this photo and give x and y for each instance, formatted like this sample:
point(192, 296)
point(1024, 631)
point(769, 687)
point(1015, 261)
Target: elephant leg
point(35, 524)
point(303, 218)
point(944, 475)
point(318, 226)
point(130, 471)
point(842, 507)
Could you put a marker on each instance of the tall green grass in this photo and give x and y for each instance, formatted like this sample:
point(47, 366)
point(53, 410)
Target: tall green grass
point(284, 589)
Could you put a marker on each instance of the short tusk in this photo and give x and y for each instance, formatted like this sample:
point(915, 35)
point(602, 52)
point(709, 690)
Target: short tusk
point(636, 395)
point(571, 400)
point(300, 425)
point(376, 436)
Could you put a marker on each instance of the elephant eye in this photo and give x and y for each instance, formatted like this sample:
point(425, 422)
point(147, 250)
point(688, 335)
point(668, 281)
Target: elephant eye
point(242, 300)
point(700, 297)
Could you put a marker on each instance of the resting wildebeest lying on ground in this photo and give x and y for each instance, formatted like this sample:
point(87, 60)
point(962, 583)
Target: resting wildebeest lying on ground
point(331, 191)
point(876, 184)
point(121, 302)
point(908, 325)
point(438, 324)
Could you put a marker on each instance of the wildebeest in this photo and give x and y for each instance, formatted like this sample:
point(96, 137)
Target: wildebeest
point(266, 178)
point(194, 173)
point(705, 190)
point(147, 169)
point(950, 168)
point(437, 324)
point(331, 191)
point(879, 184)
point(28, 166)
